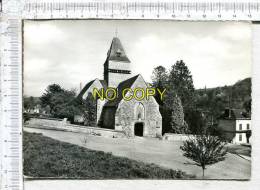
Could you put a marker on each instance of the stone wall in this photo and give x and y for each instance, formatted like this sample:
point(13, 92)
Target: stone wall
point(48, 122)
point(176, 137)
point(127, 114)
point(63, 125)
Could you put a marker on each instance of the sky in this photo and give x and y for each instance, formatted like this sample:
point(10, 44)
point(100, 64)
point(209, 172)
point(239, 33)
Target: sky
point(70, 52)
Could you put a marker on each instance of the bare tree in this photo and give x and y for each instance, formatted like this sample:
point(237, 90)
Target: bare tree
point(204, 150)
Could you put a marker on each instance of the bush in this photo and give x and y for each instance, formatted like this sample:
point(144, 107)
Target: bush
point(204, 150)
point(159, 136)
point(26, 117)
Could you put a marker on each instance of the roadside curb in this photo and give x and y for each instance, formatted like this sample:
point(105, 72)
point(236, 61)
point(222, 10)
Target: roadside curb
point(244, 157)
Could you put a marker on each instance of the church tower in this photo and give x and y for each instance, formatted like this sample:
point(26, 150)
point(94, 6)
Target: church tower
point(117, 64)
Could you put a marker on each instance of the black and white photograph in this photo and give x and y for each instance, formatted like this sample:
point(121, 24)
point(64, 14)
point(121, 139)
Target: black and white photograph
point(137, 99)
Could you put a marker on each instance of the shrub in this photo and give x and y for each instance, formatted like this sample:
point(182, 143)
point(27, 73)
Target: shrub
point(26, 117)
point(159, 136)
point(204, 150)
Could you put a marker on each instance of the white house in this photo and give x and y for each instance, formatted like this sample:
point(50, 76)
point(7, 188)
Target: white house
point(236, 125)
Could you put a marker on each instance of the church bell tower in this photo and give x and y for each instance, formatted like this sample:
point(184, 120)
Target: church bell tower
point(117, 64)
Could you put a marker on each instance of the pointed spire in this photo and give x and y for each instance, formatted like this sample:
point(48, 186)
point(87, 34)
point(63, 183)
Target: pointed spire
point(116, 51)
point(116, 32)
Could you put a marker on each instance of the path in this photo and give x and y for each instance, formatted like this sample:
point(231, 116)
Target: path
point(163, 153)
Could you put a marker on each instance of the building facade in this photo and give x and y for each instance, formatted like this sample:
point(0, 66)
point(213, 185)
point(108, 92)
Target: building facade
point(133, 117)
point(236, 125)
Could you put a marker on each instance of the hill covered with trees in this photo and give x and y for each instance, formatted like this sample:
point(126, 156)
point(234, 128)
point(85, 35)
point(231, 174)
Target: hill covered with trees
point(189, 110)
point(184, 109)
point(214, 100)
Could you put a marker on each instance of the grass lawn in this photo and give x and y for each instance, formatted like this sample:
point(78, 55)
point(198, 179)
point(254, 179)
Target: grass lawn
point(239, 149)
point(46, 157)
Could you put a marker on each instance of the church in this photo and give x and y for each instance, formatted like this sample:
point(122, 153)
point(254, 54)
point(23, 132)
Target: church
point(133, 117)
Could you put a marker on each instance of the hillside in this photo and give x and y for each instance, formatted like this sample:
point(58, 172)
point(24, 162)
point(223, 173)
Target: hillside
point(215, 100)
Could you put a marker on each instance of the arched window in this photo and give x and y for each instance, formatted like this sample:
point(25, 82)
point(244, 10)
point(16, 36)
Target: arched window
point(139, 111)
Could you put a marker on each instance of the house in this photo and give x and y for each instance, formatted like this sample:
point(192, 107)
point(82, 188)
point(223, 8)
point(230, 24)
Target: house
point(34, 110)
point(236, 125)
point(133, 117)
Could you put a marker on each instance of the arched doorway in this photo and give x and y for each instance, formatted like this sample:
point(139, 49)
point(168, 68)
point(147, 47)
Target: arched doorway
point(139, 129)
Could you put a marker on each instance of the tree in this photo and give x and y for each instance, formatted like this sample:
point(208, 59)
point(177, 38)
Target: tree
point(51, 94)
point(90, 113)
point(67, 105)
point(247, 105)
point(29, 102)
point(171, 106)
point(196, 121)
point(174, 106)
point(159, 76)
point(210, 101)
point(215, 130)
point(159, 80)
point(62, 103)
point(204, 150)
point(180, 80)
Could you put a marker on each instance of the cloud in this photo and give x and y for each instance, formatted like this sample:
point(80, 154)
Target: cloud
point(39, 33)
point(70, 52)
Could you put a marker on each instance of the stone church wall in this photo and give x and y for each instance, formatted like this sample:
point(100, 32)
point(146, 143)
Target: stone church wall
point(100, 104)
point(127, 115)
point(96, 84)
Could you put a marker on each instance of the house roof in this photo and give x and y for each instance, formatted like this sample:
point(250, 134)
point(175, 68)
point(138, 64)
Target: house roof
point(85, 88)
point(123, 85)
point(104, 84)
point(235, 114)
point(116, 51)
point(88, 85)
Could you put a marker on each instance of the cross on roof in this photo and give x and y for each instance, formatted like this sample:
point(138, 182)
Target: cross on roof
point(116, 32)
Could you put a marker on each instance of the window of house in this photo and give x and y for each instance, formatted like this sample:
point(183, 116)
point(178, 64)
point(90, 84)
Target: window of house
point(240, 127)
point(240, 137)
point(247, 126)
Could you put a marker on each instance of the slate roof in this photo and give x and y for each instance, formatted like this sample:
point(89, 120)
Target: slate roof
point(234, 114)
point(125, 84)
point(116, 51)
point(104, 84)
point(86, 87)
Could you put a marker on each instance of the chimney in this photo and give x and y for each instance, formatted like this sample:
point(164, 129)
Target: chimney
point(80, 86)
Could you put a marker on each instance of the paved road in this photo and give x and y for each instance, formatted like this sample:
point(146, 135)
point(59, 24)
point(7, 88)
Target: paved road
point(164, 153)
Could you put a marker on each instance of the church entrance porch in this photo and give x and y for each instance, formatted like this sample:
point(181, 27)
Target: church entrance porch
point(139, 129)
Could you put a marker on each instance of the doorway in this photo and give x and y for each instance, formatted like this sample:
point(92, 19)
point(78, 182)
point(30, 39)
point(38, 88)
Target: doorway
point(139, 129)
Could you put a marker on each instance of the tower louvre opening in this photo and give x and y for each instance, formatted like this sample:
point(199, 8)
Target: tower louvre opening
point(117, 64)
